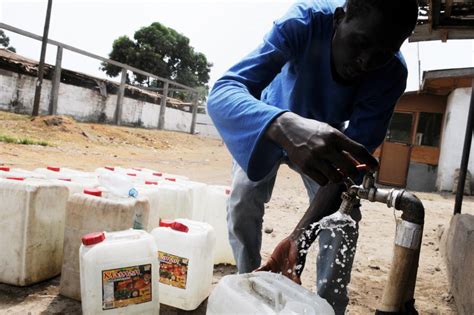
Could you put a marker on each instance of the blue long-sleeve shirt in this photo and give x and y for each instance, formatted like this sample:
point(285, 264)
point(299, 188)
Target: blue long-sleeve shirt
point(291, 71)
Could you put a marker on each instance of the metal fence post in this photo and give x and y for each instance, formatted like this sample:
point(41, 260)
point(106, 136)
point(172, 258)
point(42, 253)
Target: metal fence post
point(195, 110)
point(161, 118)
point(465, 155)
point(53, 105)
point(39, 82)
point(120, 95)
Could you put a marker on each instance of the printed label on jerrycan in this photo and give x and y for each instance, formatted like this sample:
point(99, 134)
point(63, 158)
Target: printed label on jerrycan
point(126, 286)
point(173, 270)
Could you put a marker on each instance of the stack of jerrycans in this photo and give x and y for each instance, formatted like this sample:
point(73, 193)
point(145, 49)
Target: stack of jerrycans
point(89, 212)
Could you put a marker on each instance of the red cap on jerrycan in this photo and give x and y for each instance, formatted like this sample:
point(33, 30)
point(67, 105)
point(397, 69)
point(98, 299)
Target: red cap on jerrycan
point(180, 227)
point(93, 238)
point(53, 168)
point(4, 169)
point(93, 192)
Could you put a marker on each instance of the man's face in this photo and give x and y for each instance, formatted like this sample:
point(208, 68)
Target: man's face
point(361, 45)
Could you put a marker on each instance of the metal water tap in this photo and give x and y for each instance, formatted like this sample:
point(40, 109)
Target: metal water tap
point(402, 276)
point(368, 191)
point(351, 197)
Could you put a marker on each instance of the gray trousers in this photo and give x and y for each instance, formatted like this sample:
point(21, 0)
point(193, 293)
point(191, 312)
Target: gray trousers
point(245, 217)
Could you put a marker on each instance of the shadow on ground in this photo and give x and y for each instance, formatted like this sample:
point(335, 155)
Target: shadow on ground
point(44, 298)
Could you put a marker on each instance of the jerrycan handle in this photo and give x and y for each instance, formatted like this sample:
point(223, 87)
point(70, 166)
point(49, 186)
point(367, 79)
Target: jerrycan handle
point(180, 227)
point(270, 294)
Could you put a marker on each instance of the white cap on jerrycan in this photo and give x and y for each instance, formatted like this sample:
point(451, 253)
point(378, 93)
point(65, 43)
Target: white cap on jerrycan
point(118, 273)
point(264, 293)
point(185, 251)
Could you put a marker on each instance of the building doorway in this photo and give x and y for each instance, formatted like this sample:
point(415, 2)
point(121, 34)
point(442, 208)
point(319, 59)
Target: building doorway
point(396, 150)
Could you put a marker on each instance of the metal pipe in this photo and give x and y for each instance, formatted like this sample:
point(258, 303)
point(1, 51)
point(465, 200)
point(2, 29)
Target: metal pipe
point(400, 286)
point(194, 112)
point(411, 207)
point(397, 282)
point(409, 305)
point(465, 155)
point(398, 294)
point(53, 104)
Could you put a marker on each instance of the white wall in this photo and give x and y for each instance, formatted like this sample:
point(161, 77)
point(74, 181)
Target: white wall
point(83, 104)
point(452, 143)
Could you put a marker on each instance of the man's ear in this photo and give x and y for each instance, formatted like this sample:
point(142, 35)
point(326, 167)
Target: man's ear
point(339, 15)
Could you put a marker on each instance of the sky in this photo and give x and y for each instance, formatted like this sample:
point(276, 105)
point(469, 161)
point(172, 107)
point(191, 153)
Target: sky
point(224, 30)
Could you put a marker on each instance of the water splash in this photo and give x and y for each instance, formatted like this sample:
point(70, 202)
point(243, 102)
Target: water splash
point(335, 223)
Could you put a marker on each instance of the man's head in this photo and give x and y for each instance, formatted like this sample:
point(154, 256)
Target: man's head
point(367, 34)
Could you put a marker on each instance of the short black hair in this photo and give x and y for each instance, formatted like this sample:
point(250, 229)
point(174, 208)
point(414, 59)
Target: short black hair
point(400, 13)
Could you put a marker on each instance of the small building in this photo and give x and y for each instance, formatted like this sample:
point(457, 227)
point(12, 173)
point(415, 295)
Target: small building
point(424, 142)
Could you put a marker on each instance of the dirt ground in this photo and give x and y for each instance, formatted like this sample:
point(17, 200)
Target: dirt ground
point(88, 146)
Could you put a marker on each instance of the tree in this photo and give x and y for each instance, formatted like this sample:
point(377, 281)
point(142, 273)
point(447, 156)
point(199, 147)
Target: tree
point(162, 51)
point(5, 41)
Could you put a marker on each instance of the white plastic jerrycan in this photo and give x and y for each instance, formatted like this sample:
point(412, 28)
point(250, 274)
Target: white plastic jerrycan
point(216, 215)
point(118, 273)
point(7, 172)
point(174, 200)
point(264, 293)
point(185, 251)
point(32, 214)
point(92, 211)
point(55, 172)
point(198, 195)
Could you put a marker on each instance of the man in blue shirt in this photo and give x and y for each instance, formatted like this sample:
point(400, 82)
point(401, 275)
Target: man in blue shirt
point(317, 94)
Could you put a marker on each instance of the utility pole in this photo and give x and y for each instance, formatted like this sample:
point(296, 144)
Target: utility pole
point(39, 83)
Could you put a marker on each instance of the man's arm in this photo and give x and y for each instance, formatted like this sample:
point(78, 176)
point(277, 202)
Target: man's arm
point(368, 125)
point(234, 103)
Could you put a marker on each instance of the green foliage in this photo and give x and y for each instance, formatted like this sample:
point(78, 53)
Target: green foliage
point(25, 141)
point(5, 41)
point(162, 51)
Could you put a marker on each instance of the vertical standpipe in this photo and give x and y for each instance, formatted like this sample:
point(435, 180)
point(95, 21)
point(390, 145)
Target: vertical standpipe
point(398, 295)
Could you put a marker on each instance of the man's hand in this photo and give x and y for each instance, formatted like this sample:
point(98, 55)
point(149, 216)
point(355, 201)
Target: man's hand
point(284, 259)
point(318, 149)
point(289, 256)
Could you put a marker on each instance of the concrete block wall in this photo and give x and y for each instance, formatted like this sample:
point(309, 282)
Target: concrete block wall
point(457, 247)
point(88, 105)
